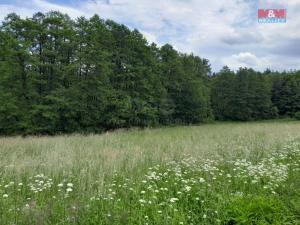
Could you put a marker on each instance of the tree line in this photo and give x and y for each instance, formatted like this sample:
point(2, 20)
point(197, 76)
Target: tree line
point(249, 95)
point(59, 75)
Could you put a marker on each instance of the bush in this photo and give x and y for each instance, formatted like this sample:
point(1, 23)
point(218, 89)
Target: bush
point(257, 210)
point(297, 115)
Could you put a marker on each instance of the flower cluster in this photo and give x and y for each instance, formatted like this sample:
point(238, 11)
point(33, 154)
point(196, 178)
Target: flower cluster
point(178, 185)
point(40, 183)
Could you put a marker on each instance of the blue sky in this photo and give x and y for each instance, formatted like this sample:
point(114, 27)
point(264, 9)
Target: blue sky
point(224, 31)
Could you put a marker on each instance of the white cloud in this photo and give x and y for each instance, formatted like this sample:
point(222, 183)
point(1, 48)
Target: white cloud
point(24, 12)
point(224, 31)
point(43, 5)
point(149, 36)
point(245, 59)
point(250, 60)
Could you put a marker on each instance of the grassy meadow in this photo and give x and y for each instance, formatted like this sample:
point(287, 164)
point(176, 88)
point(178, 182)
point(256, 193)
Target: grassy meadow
point(222, 173)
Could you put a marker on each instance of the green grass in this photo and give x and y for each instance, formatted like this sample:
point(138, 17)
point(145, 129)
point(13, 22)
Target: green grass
point(222, 173)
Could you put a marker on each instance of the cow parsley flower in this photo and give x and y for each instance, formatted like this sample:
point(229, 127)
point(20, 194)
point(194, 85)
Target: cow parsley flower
point(172, 200)
point(187, 188)
point(201, 180)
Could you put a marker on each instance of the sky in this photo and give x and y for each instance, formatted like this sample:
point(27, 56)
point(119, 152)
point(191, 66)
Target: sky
point(226, 32)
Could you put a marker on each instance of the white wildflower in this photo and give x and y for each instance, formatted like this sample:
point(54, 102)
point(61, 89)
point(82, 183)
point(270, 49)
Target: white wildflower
point(187, 188)
point(172, 200)
point(201, 180)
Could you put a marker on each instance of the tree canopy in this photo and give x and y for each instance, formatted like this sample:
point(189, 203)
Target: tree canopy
point(59, 75)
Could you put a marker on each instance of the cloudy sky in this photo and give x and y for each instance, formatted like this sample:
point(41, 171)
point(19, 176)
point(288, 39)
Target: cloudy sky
point(224, 31)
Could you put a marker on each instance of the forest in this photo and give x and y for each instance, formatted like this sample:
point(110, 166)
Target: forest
point(63, 75)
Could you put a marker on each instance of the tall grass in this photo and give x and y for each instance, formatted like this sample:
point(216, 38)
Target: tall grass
point(71, 179)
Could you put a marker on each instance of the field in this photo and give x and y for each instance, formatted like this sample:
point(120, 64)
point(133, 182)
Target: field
point(222, 173)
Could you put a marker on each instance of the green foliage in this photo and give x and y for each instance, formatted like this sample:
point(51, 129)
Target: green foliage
point(88, 75)
point(245, 95)
point(260, 210)
point(297, 115)
point(286, 93)
point(59, 75)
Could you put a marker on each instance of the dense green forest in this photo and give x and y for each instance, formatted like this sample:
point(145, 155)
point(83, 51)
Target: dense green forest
point(59, 75)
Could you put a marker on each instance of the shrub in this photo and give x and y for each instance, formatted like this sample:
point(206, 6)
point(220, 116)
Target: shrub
point(297, 115)
point(257, 210)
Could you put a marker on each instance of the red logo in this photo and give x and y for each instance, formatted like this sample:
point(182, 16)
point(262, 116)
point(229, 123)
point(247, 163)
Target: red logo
point(272, 15)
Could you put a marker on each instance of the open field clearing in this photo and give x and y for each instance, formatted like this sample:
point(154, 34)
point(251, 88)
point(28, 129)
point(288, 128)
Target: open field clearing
point(223, 173)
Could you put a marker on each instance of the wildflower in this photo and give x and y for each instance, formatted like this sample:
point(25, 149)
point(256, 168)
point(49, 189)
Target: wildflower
point(60, 185)
point(143, 192)
point(69, 189)
point(201, 180)
point(187, 188)
point(142, 201)
point(70, 185)
point(172, 200)
point(5, 196)
point(204, 216)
